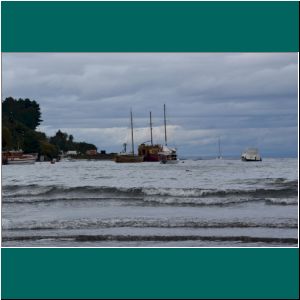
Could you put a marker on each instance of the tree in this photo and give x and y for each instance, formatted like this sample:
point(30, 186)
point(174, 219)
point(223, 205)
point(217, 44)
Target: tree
point(48, 149)
point(22, 110)
point(31, 142)
point(6, 137)
point(82, 147)
point(20, 119)
point(71, 144)
point(60, 140)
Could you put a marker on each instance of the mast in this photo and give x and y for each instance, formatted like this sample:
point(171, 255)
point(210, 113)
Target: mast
point(219, 147)
point(132, 144)
point(165, 124)
point(151, 129)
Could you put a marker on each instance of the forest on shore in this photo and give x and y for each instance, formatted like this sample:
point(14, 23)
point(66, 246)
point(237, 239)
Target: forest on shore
point(20, 120)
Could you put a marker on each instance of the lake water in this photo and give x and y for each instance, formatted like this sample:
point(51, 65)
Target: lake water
point(204, 203)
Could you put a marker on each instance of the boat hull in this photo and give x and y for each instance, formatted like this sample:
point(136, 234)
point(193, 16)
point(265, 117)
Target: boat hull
point(151, 158)
point(20, 161)
point(169, 162)
point(250, 159)
point(129, 159)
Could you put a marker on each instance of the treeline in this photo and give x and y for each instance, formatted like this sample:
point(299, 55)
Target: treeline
point(20, 118)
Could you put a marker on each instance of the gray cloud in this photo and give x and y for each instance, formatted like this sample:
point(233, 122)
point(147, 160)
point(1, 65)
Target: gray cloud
point(249, 99)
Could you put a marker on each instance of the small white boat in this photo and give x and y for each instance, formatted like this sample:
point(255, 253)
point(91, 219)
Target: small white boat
point(68, 159)
point(18, 158)
point(168, 155)
point(251, 154)
point(24, 159)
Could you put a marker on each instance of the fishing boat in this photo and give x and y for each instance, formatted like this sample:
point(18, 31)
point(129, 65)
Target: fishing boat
point(168, 155)
point(125, 157)
point(150, 152)
point(18, 158)
point(251, 154)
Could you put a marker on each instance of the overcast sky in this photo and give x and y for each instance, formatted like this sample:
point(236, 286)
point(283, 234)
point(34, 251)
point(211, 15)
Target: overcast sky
point(246, 99)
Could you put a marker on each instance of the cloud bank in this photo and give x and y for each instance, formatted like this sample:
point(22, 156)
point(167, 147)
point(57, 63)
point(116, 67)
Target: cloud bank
point(246, 99)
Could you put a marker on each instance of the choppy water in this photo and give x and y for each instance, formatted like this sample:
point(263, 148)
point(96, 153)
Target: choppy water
point(205, 203)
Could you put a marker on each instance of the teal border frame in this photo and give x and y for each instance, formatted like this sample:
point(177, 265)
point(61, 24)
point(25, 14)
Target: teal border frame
point(150, 27)
point(228, 273)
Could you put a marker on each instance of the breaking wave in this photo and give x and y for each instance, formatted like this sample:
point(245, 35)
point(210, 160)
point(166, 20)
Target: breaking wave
point(37, 190)
point(289, 188)
point(285, 194)
point(287, 201)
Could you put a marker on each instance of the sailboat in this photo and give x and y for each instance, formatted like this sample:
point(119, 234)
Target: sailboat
point(219, 144)
point(168, 155)
point(125, 157)
point(150, 152)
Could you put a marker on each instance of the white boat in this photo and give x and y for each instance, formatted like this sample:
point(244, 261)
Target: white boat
point(24, 159)
point(251, 154)
point(67, 159)
point(168, 155)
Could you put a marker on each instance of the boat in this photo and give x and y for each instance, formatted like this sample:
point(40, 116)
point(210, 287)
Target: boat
point(128, 158)
point(18, 158)
point(220, 154)
point(125, 157)
point(168, 155)
point(150, 152)
point(251, 154)
point(67, 159)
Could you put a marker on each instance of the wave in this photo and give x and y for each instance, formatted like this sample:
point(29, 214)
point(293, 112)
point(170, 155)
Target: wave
point(154, 201)
point(143, 223)
point(287, 201)
point(30, 200)
point(195, 192)
point(37, 190)
point(222, 201)
point(286, 195)
point(285, 182)
point(156, 238)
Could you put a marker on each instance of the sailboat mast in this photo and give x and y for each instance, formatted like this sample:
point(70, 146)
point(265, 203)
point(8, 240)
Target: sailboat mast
point(132, 144)
point(151, 129)
point(219, 148)
point(165, 124)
